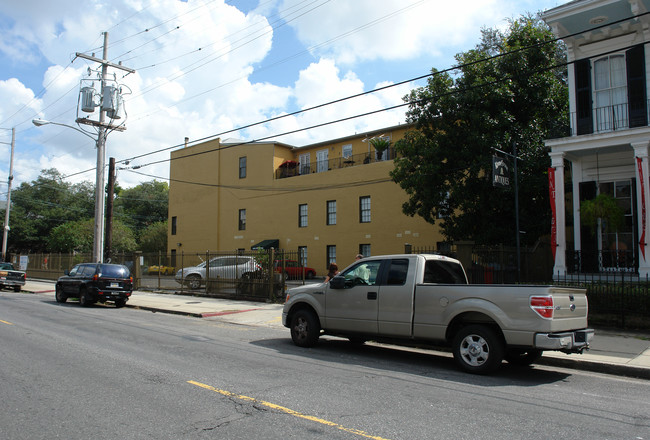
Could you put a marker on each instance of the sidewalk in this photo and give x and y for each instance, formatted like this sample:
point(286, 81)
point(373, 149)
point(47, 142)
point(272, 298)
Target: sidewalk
point(613, 352)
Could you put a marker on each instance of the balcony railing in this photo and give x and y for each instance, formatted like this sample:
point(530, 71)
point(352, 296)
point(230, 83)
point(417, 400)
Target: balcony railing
point(333, 164)
point(604, 119)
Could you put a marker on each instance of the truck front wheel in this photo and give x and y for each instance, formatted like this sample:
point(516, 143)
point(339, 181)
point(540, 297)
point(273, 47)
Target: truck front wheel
point(304, 328)
point(477, 349)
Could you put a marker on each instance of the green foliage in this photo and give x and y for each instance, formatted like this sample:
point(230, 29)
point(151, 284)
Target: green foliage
point(444, 164)
point(77, 236)
point(380, 144)
point(154, 238)
point(43, 204)
point(602, 207)
point(51, 215)
point(142, 205)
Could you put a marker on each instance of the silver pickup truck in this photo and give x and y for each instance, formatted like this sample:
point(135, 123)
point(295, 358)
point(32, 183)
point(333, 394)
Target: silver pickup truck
point(426, 300)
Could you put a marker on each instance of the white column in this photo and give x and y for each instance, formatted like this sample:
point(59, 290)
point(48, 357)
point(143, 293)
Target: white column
point(642, 206)
point(576, 173)
point(559, 267)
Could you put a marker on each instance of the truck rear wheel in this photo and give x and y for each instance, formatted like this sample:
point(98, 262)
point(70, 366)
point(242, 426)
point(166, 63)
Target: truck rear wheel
point(304, 328)
point(477, 349)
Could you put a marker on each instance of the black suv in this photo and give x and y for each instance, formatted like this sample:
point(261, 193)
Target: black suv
point(95, 282)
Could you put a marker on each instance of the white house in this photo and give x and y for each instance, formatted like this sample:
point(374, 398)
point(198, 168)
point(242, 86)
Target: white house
point(606, 151)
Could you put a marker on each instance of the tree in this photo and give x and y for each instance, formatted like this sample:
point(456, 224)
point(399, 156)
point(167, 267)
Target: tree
point(508, 90)
point(142, 205)
point(43, 204)
point(77, 236)
point(154, 238)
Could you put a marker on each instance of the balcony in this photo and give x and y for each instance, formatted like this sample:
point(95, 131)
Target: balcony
point(603, 120)
point(293, 169)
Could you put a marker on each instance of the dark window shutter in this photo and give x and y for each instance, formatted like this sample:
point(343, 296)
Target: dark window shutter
point(584, 117)
point(636, 91)
point(588, 241)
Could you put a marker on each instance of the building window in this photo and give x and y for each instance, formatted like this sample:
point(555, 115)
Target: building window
point(304, 163)
point(174, 225)
point(242, 167)
point(331, 255)
point(302, 255)
point(302, 216)
point(364, 249)
point(322, 162)
point(610, 92)
point(347, 151)
point(242, 219)
point(364, 209)
point(331, 212)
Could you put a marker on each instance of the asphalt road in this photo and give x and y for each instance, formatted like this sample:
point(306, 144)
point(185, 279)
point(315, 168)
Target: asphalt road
point(105, 373)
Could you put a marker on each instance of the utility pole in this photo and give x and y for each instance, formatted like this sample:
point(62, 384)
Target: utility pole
point(109, 208)
point(5, 230)
point(98, 239)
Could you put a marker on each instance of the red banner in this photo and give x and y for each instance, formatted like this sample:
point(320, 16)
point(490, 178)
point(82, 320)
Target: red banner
point(642, 243)
point(551, 196)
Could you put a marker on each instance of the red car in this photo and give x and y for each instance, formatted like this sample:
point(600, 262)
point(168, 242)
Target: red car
point(293, 269)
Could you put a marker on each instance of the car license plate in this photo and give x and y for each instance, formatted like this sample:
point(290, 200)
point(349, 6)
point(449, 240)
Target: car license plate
point(114, 285)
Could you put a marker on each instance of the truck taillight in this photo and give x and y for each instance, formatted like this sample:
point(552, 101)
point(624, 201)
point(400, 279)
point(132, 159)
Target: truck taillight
point(543, 305)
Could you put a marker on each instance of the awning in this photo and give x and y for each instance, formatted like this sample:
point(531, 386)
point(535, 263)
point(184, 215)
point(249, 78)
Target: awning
point(267, 244)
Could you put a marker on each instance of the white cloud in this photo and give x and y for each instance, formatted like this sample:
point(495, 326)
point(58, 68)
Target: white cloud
point(194, 62)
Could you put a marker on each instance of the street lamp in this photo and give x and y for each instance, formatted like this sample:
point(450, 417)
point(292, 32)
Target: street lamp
point(5, 229)
point(98, 237)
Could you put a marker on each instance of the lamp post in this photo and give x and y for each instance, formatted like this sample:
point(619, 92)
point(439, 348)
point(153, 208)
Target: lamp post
point(98, 235)
point(5, 229)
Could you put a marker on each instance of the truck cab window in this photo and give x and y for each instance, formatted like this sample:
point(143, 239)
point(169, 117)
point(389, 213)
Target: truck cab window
point(443, 272)
point(397, 272)
point(363, 273)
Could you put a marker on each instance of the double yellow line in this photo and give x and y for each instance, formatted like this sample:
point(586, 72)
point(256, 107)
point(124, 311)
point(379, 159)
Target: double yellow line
point(287, 411)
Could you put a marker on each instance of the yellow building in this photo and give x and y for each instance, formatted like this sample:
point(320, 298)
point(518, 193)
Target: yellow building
point(327, 201)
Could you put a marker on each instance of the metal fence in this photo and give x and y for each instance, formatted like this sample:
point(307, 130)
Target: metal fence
point(617, 298)
point(256, 275)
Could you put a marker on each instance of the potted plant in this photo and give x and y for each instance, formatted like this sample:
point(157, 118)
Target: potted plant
point(603, 207)
point(380, 145)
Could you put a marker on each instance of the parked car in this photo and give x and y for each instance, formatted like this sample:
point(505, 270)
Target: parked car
point(11, 278)
point(292, 269)
point(220, 267)
point(162, 270)
point(95, 282)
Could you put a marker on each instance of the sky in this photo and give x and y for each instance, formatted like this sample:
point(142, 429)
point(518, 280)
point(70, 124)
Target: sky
point(206, 68)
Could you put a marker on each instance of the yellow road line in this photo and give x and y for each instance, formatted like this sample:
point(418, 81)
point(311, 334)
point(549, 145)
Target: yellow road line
point(6, 322)
point(286, 410)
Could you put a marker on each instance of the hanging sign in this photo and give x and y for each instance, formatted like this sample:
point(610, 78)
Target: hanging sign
point(500, 173)
point(642, 242)
point(551, 197)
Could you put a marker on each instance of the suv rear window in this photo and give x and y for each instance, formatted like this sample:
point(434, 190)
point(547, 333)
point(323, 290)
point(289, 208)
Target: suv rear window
point(114, 271)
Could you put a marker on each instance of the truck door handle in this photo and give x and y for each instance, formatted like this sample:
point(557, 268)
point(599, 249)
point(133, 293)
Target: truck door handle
point(372, 295)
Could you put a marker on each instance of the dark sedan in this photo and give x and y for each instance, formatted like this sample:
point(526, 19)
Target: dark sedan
point(95, 282)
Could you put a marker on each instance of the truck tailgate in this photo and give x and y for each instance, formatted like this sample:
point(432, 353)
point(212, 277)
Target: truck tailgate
point(569, 303)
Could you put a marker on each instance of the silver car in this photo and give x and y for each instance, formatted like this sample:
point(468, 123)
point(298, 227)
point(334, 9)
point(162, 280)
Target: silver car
point(219, 267)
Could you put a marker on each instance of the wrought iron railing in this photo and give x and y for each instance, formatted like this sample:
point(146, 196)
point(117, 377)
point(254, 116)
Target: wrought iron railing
point(298, 169)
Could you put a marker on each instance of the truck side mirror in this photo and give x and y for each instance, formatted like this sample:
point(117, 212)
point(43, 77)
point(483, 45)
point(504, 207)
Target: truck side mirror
point(337, 282)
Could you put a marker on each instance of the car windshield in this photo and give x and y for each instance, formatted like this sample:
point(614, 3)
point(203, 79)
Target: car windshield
point(115, 271)
point(6, 266)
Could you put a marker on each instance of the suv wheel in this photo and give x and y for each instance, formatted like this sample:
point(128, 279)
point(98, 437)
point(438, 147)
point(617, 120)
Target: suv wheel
point(84, 301)
point(59, 295)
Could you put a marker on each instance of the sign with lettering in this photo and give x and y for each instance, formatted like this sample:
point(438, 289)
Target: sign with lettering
point(500, 173)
